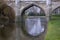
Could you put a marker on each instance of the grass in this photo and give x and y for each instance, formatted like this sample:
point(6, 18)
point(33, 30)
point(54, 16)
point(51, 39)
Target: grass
point(54, 29)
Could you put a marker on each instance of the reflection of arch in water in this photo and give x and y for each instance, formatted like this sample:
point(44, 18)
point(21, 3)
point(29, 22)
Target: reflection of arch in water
point(31, 5)
point(56, 11)
point(26, 9)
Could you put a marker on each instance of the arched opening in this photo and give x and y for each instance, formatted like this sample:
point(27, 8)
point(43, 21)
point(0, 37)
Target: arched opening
point(32, 20)
point(56, 11)
point(34, 7)
point(56, 14)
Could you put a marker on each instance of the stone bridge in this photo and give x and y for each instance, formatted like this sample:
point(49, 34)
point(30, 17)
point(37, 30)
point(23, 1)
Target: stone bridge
point(23, 4)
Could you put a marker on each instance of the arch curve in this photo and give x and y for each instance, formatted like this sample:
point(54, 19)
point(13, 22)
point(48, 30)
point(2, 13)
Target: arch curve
point(31, 5)
point(56, 10)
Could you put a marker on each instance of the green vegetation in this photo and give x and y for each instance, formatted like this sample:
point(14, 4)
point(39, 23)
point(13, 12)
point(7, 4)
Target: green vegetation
point(54, 28)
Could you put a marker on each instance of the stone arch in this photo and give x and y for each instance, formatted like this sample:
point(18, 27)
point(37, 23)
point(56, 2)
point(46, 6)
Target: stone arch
point(43, 20)
point(31, 5)
point(54, 11)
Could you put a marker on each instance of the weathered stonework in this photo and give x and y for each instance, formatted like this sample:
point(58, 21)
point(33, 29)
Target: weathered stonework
point(21, 5)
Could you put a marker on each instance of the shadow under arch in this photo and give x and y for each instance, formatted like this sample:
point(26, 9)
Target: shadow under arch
point(54, 11)
point(55, 14)
point(22, 20)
